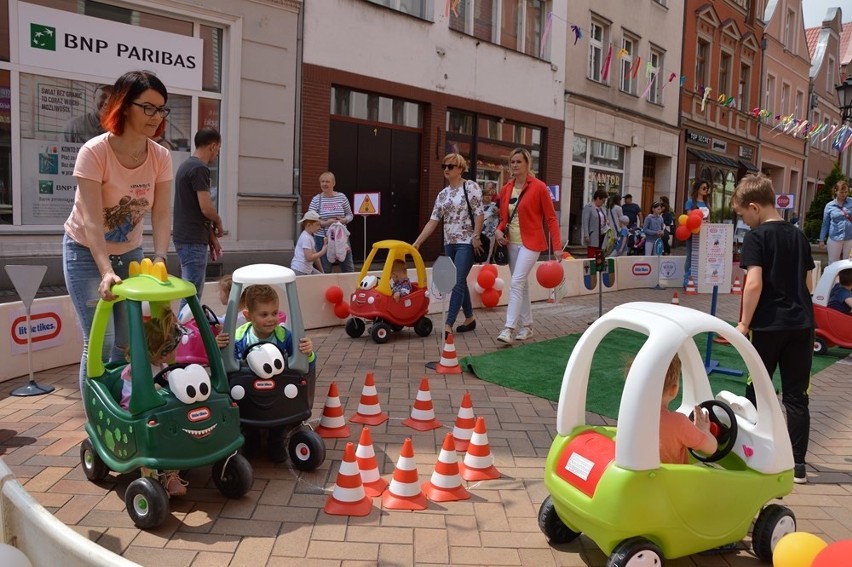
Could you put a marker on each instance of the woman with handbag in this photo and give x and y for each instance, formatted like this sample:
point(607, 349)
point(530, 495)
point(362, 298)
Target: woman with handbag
point(459, 205)
point(332, 207)
point(524, 202)
point(836, 229)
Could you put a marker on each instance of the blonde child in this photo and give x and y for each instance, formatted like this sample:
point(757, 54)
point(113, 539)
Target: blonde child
point(400, 284)
point(306, 258)
point(677, 433)
point(162, 336)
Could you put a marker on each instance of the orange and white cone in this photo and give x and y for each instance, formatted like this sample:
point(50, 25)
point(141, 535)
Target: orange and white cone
point(478, 462)
point(423, 414)
point(737, 288)
point(332, 425)
point(404, 492)
point(465, 421)
point(690, 287)
point(369, 411)
point(449, 363)
point(348, 497)
point(675, 299)
point(373, 482)
point(445, 484)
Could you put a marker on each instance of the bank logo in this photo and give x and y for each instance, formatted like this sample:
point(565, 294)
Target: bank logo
point(45, 187)
point(43, 37)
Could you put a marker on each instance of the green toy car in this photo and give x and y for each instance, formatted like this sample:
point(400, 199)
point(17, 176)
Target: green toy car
point(184, 425)
point(608, 483)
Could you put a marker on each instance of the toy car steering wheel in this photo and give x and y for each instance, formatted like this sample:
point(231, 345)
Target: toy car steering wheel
point(160, 378)
point(726, 435)
point(210, 316)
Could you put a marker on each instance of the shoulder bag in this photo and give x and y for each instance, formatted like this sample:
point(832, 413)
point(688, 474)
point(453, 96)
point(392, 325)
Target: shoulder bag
point(481, 256)
point(501, 251)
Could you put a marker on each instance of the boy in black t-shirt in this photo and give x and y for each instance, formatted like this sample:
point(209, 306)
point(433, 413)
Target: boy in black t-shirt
point(776, 304)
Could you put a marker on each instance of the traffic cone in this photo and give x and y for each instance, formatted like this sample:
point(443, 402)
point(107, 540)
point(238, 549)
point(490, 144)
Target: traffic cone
point(449, 363)
point(675, 300)
point(348, 497)
point(445, 484)
point(422, 413)
point(690, 287)
point(373, 483)
point(464, 424)
point(332, 424)
point(737, 288)
point(369, 411)
point(478, 462)
point(404, 492)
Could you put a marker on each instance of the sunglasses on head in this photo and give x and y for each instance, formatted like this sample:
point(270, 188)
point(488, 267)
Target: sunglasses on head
point(173, 341)
point(449, 166)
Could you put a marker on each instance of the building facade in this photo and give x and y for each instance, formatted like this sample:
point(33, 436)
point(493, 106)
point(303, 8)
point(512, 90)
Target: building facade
point(722, 66)
point(390, 87)
point(786, 92)
point(621, 102)
point(230, 64)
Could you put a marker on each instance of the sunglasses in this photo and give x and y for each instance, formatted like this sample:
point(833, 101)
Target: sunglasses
point(173, 341)
point(450, 166)
point(151, 110)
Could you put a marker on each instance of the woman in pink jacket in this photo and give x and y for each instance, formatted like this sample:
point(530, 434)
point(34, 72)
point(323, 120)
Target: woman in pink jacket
point(524, 202)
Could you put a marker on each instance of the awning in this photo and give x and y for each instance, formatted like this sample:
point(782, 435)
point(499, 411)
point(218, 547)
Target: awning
point(714, 158)
point(748, 165)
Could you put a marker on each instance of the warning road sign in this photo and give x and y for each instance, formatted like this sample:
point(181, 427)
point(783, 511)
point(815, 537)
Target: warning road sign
point(367, 204)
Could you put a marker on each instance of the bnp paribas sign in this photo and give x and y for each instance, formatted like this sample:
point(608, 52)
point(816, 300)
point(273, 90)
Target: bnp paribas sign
point(53, 39)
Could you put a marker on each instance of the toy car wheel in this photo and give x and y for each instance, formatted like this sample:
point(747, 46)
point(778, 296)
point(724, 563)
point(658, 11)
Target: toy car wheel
point(380, 332)
point(820, 346)
point(773, 523)
point(306, 449)
point(233, 476)
point(93, 467)
point(551, 526)
point(355, 327)
point(423, 327)
point(147, 503)
point(635, 552)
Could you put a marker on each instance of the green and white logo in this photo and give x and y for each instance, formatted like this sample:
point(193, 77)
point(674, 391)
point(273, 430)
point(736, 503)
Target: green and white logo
point(43, 37)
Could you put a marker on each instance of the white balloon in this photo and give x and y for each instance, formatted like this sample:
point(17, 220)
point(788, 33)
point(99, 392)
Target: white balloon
point(13, 557)
point(478, 288)
point(499, 283)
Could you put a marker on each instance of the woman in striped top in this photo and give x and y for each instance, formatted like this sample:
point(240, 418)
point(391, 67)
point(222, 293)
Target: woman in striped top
point(332, 207)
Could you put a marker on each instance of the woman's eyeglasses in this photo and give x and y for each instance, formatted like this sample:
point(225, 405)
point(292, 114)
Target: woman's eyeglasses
point(450, 166)
point(151, 110)
point(173, 341)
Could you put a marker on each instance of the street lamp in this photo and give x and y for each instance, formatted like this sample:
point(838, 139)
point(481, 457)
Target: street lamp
point(844, 95)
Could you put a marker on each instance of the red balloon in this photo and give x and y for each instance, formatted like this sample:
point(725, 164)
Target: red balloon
point(835, 554)
point(697, 213)
point(550, 274)
point(486, 279)
point(682, 232)
point(693, 222)
point(334, 295)
point(489, 268)
point(490, 297)
point(341, 310)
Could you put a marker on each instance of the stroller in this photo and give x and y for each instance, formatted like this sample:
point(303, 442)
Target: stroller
point(636, 242)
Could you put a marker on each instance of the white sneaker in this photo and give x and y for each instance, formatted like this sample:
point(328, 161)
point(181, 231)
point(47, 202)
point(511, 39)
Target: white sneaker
point(506, 335)
point(524, 334)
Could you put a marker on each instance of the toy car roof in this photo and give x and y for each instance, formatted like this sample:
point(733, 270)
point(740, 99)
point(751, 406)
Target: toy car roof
point(826, 281)
point(151, 282)
point(670, 330)
point(270, 274)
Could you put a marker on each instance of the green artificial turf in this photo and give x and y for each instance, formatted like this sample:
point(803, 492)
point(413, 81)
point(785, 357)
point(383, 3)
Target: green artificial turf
point(537, 368)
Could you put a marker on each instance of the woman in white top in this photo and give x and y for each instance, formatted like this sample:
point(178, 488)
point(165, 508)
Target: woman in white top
point(332, 206)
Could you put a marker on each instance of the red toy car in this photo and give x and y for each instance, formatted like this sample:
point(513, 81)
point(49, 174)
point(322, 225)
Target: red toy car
point(833, 328)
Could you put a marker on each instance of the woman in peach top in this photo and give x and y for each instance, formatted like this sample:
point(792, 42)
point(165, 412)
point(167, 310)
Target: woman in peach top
point(121, 176)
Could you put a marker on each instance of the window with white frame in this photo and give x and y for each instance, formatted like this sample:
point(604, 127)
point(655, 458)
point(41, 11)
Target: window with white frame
point(785, 98)
point(769, 95)
point(417, 8)
point(702, 60)
point(829, 75)
point(598, 39)
point(655, 95)
point(628, 46)
point(725, 74)
point(744, 87)
point(514, 24)
point(800, 110)
point(790, 29)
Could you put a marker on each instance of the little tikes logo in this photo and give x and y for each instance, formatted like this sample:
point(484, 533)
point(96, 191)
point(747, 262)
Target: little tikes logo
point(198, 414)
point(641, 269)
point(43, 37)
point(264, 384)
point(44, 326)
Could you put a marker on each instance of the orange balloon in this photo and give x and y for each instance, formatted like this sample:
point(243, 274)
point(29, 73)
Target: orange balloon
point(490, 297)
point(341, 310)
point(681, 220)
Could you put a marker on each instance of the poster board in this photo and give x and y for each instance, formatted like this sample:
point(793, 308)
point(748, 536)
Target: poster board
point(715, 253)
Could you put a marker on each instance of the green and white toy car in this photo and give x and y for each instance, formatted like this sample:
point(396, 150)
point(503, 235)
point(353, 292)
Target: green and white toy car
point(608, 483)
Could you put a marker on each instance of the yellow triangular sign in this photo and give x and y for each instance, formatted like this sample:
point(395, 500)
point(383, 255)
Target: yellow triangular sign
point(367, 207)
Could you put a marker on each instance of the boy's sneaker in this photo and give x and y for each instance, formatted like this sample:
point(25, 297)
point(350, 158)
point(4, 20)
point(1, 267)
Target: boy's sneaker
point(173, 483)
point(800, 475)
point(524, 334)
point(506, 335)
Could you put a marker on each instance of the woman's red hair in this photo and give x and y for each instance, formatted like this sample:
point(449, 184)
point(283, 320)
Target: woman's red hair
point(126, 90)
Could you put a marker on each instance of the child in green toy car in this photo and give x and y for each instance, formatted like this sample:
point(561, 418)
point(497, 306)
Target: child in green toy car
point(261, 312)
point(162, 336)
point(677, 433)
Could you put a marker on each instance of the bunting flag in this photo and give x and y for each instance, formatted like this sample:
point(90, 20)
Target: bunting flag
point(605, 69)
point(578, 33)
point(704, 98)
point(622, 53)
point(833, 128)
point(650, 84)
point(635, 69)
point(545, 34)
point(672, 77)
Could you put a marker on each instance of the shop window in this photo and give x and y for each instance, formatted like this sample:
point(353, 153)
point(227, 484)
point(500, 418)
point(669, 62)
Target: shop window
point(579, 152)
point(606, 154)
point(211, 72)
point(375, 108)
point(5, 148)
point(209, 116)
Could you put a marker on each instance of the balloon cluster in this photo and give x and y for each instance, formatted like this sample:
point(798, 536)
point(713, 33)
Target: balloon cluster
point(689, 224)
point(550, 274)
point(488, 285)
point(334, 295)
point(801, 549)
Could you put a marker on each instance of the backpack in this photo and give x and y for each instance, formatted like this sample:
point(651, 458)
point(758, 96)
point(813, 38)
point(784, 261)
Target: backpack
point(338, 242)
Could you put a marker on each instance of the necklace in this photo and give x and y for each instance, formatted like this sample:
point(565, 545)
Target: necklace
point(138, 155)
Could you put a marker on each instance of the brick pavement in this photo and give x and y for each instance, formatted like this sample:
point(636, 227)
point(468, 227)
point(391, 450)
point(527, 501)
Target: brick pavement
point(281, 522)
